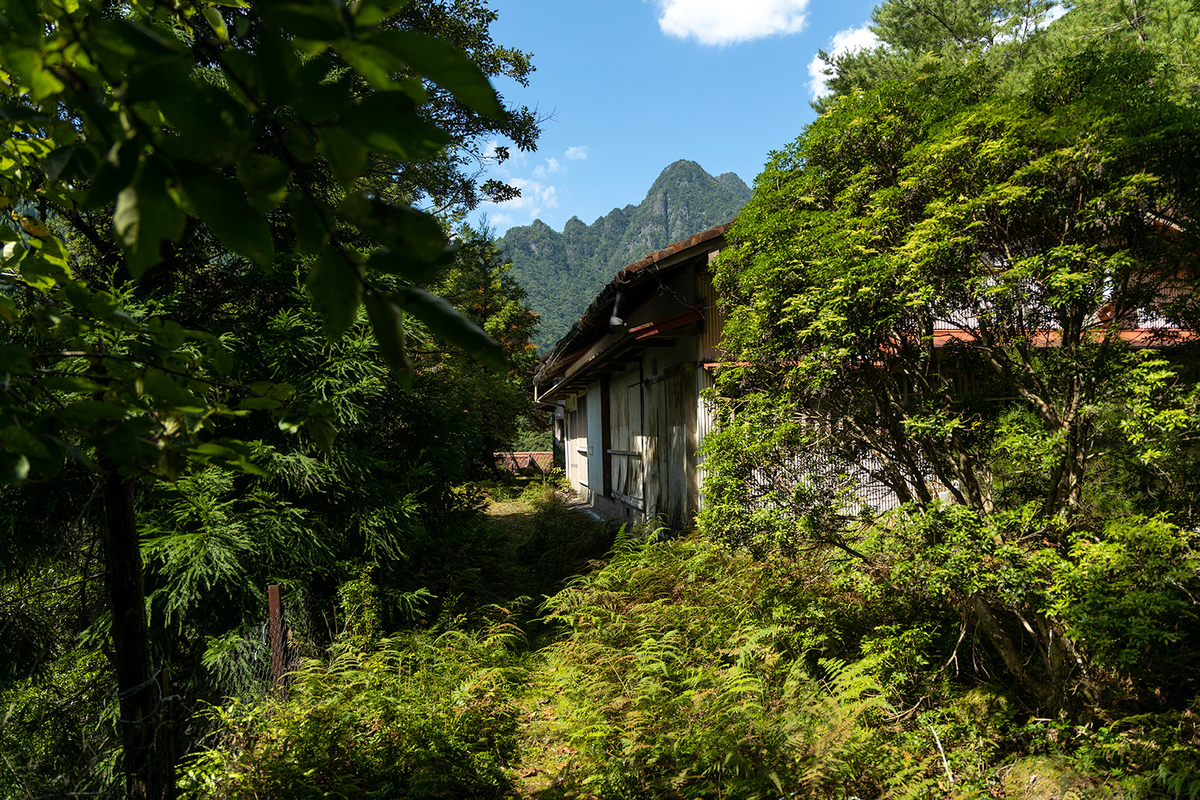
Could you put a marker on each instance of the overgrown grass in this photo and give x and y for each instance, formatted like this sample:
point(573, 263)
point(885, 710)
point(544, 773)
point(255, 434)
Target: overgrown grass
point(674, 669)
point(419, 715)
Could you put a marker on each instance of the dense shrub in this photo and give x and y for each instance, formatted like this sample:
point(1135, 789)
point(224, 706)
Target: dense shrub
point(415, 716)
point(685, 674)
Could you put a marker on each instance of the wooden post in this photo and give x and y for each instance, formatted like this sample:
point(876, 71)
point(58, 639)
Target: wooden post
point(166, 728)
point(276, 625)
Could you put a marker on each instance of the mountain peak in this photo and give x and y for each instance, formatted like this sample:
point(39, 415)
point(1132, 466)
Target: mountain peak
point(561, 273)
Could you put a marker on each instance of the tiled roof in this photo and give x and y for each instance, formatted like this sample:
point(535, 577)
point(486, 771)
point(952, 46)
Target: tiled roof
point(541, 460)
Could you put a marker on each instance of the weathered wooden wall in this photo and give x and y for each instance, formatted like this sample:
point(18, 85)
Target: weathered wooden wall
point(625, 438)
point(670, 424)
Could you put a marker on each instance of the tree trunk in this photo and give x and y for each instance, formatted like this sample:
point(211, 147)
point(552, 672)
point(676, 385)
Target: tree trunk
point(1062, 685)
point(1014, 657)
point(149, 763)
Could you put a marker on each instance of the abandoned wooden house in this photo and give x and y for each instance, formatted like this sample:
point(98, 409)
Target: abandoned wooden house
point(627, 381)
point(629, 376)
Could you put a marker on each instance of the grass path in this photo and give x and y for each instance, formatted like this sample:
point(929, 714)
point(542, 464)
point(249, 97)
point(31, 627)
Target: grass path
point(568, 539)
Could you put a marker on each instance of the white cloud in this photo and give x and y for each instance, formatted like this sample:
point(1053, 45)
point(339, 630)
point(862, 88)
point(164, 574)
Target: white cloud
point(503, 169)
point(501, 222)
point(846, 41)
point(1055, 12)
point(720, 22)
point(577, 153)
point(535, 198)
point(551, 167)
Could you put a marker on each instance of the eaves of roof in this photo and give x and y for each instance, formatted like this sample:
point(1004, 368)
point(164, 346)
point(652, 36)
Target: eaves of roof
point(582, 335)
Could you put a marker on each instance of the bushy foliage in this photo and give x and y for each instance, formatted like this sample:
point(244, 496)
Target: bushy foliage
point(415, 716)
point(59, 727)
point(975, 300)
point(681, 669)
point(688, 672)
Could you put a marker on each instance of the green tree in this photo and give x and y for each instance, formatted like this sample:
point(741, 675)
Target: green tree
point(920, 37)
point(934, 287)
point(144, 141)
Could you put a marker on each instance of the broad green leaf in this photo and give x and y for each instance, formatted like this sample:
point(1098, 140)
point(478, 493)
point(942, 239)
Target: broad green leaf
point(13, 252)
point(71, 383)
point(169, 391)
point(311, 233)
point(227, 453)
point(14, 468)
point(15, 358)
point(213, 449)
point(387, 322)
point(86, 412)
point(299, 140)
point(24, 20)
point(220, 359)
point(386, 121)
point(22, 113)
point(322, 431)
point(224, 208)
point(69, 163)
point(131, 40)
point(376, 65)
point(53, 252)
point(275, 66)
point(116, 171)
point(27, 63)
point(264, 179)
point(260, 403)
point(244, 465)
point(445, 65)
point(21, 440)
point(314, 95)
point(280, 391)
point(448, 322)
point(42, 274)
point(211, 124)
point(318, 21)
point(347, 156)
point(412, 234)
point(336, 290)
point(370, 12)
point(167, 332)
point(159, 78)
point(217, 23)
point(145, 216)
point(397, 262)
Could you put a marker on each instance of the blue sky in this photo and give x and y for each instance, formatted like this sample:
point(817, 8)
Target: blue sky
point(634, 85)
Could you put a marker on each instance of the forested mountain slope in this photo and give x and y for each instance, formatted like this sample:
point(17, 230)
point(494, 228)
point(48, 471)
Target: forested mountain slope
point(562, 272)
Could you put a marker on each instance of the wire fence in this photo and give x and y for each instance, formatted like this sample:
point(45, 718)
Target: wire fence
point(257, 663)
point(820, 474)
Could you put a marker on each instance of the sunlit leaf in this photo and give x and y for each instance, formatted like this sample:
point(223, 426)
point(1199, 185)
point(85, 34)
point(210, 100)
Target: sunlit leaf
point(145, 216)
